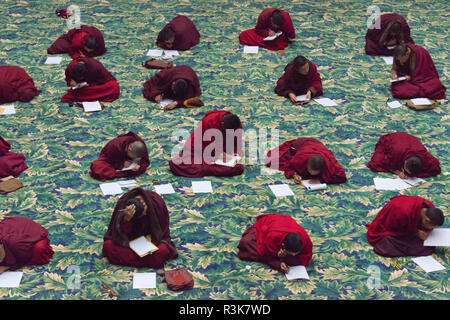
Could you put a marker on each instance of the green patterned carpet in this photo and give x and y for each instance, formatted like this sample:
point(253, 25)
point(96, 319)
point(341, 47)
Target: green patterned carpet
point(60, 142)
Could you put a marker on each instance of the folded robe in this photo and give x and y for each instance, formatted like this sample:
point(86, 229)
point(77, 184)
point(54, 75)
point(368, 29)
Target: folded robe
point(254, 37)
point(113, 156)
point(186, 34)
point(392, 150)
point(424, 81)
point(16, 85)
point(292, 81)
point(11, 164)
point(292, 157)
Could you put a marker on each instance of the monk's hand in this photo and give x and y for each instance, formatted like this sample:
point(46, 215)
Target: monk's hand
point(129, 212)
point(158, 98)
point(297, 178)
point(3, 269)
point(282, 253)
point(148, 237)
point(72, 83)
point(126, 164)
point(394, 74)
point(308, 95)
point(171, 106)
point(293, 97)
point(284, 267)
point(408, 78)
point(400, 174)
point(271, 32)
point(136, 168)
point(423, 234)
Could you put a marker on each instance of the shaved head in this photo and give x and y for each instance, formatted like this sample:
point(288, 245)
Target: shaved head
point(137, 149)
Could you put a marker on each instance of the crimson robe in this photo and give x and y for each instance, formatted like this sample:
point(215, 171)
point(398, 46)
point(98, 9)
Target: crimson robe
point(292, 157)
point(113, 156)
point(11, 164)
point(373, 35)
point(16, 85)
point(292, 81)
point(25, 243)
point(262, 241)
point(192, 162)
point(254, 37)
point(186, 34)
point(155, 223)
point(393, 231)
point(73, 43)
point(424, 81)
point(102, 85)
point(161, 83)
point(392, 150)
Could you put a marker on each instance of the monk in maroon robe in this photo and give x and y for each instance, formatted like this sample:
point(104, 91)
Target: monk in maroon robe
point(178, 83)
point(23, 242)
point(276, 240)
point(400, 228)
point(118, 154)
point(83, 42)
point(422, 79)
point(179, 34)
point(139, 213)
point(403, 155)
point(306, 158)
point(16, 85)
point(218, 136)
point(388, 31)
point(11, 164)
point(270, 22)
point(300, 77)
point(94, 82)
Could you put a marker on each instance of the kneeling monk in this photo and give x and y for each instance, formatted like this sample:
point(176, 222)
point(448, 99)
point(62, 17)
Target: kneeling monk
point(139, 213)
point(11, 164)
point(120, 153)
point(218, 136)
point(400, 228)
point(16, 85)
point(276, 240)
point(179, 34)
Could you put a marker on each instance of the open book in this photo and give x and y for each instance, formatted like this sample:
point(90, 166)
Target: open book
point(142, 246)
point(313, 186)
point(302, 98)
point(273, 37)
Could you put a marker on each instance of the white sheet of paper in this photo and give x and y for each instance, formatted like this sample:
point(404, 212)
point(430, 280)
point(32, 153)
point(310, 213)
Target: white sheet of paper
point(314, 186)
point(390, 47)
point(421, 102)
point(297, 272)
point(164, 189)
point(9, 109)
point(398, 79)
point(154, 53)
point(326, 102)
point(171, 53)
point(251, 49)
point(394, 104)
point(388, 60)
point(165, 102)
point(414, 181)
point(273, 37)
point(111, 188)
point(141, 246)
point(281, 190)
point(53, 60)
point(80, 85)
point(390, 184)
point(10, 279)
point(231, 163)
point(92, 106)
point(428, 263)
point(127, 183)
point(201, 186)
point(144, 280)
point(302, 98)
point(439, 237)
point(131, 166)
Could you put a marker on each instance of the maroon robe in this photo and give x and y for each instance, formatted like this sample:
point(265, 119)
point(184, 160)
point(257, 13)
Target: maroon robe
point(16, 85)
point(393, 231)
point(192, 162)
point(73, 43)
point(25, 243)
point(262, 241)
point(254, 37)
point(186, 34)
point(161, 84)
point(292, 81)
point(113, 156)
point(373, 35)
point(155, 223)
point(392, 150)
point(424, 81)
point(292, 157)
point(11, 164)
point(102, 85)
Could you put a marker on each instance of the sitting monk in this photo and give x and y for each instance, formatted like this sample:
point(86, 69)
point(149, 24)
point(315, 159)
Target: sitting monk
point(306, 158)
point(276, 240)
point(139, 213)
point(270, 22)
point(422, 79)
point(178, 83)
point(403, 155)
point(300, 77)
point(179, 34)
point(16, 85)
point(402, 225)
point(23, 242)
point(11, 164)
point(118, 154)
point(83, 42)
point(388, 31)
point(218, 136)
point(90, 81)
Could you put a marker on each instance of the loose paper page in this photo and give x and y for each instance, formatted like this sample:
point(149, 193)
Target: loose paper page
point(154, 53)
point(251, 49)
point(201, 186)
point(164, 189)
point(142, 246)
point(302, 98)
point(10, 279)
point(439, 237)
point(92, 106)
point(127, 183)
point(428, 263)
point(398, 79)
point(394, 104)
point(273, 37)
point(390, 47)
point(388, 60)
point(230, 163)
point(421, 102)
point(297, 272)
point(414, 181)
point(53, 60)
point(171, 53)
point(131, 166)
point(314, 186)
point(165, 102)
point(281, 190)
point(390, 184)
point(111, 188)
point(326, 102)
point(9, 109)
point(80, 85)
point(144, 280)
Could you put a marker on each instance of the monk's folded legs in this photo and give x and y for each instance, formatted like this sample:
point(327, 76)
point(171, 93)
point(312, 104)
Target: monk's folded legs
point(402, 247)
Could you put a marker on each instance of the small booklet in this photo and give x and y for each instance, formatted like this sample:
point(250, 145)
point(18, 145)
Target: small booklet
point(92, 106)
point(9, 109)
point(80, 85)
point(414, 181)
point(276, 35)
point(394, 104)
point(326, 102)
point(390, 47)
point(398, 79)
point(165, 102)
point(131, 166)
point(421, 102)
point(142, 246)
point(230, 163)
point(313, 186)
point(251, 49)
point(302, 98)
point(53, 60)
